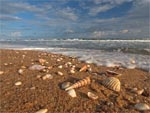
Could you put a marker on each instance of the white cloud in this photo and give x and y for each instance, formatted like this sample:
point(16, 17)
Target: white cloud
point(15, 34)
point(68, 13)
point(98, 34)
point(9, 18)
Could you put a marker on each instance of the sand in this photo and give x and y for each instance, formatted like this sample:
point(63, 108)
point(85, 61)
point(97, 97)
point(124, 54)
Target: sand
point(35, 93)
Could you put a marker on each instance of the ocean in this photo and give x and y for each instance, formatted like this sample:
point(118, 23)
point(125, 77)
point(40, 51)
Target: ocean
point(126, 53)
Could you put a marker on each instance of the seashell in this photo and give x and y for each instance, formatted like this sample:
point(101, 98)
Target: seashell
point(142, 107)
point(37, 67)
point(65, 85)
point(80, 83)
point(60, 73)
point(72, 93)
point(112, 83)
point(18, 83)
point(72, 71)
point(20, 71)
point(23, 67)
point(42, 111)
point(1, 72)
point(38, 76)
point(139, 92)
point(42, 61)
point(60, 67)
point(47, 76)
point(84, 68)
point(113, 73)
point(92, 95)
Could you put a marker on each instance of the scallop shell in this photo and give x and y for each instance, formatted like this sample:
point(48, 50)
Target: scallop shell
point(72, 93)
point(142, 106)
point(112, 83)
point(92, 95)
point(80, 83)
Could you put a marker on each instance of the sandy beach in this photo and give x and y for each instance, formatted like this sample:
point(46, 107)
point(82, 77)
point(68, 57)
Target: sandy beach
point(31, 81)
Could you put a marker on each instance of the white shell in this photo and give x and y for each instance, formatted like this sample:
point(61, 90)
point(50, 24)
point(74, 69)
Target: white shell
point(18, 83)
point(42, 111)
point(65, 85)
point(1, 72)
point(92, 95)
point(47, 76)
point(20, 71)
point(112, 83)
point(72, 93)
point(60, 67)
point(142, 106)
point(60, 73)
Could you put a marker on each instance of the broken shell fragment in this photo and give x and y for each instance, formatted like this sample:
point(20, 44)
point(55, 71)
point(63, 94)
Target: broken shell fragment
point(60, 73)
point(42, 111)
point(80, 83)
point(42, 61)
point(92, 96)
point(84, 68)
point(20, 71)
point(18, 83)
point(47, 76)
point(113, 73)
point(72, 93)
point(112, 83)
point(1, 72)
point(142, 107)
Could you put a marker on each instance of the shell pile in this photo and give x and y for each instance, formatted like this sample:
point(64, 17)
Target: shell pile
point(80, 83)
point(112, 83)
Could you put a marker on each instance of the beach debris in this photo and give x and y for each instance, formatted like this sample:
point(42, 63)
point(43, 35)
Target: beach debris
point(112, 73)
point(1, 72)
point(72, 71)
point(60, 73)
point(37, 67)
point(20, 71)
point(72, 93)
point(23, 67)
point(84, 68)
point(47, 76)
point(60, 67)
point(18, 83)
point(42, 111)
point(65, 85)
point(92, 96)
point(112, 83)
point(80, 83)
point(136, 91)
point(42, 61)
point(141, 106)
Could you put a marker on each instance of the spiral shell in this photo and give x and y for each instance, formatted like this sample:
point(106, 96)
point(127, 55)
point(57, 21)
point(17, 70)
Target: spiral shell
point(112, 83)
point(80, 83)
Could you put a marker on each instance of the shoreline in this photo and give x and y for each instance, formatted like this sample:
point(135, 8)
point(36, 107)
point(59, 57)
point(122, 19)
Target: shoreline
point(37, 93)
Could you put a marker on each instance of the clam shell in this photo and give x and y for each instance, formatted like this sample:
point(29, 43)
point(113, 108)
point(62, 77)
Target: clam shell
point(65, 85)
point(112, 83)
point(142, 106)
point(92, 95)
point(72, 93)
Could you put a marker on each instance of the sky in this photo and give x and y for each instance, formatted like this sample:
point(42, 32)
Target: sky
point(100, 19)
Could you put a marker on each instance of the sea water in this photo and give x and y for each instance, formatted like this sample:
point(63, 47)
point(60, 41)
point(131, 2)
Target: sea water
point(126, 53)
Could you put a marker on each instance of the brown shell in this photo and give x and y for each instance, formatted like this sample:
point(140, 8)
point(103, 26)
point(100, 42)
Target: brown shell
point(84, 68)
point(112, 83)
point(80, 83)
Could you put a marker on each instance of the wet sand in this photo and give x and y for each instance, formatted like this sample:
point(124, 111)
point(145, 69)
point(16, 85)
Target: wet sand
point(35, 93)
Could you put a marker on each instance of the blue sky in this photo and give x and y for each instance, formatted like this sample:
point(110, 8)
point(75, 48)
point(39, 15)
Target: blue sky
point(74, 19)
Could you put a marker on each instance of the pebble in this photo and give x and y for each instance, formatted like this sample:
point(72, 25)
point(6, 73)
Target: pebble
point(47, 76)
point(1, 72)
point(18, 83)
point(142, 107)
point(42, 111)
point(20, 71)
point(60, 73)
point(60, 67)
